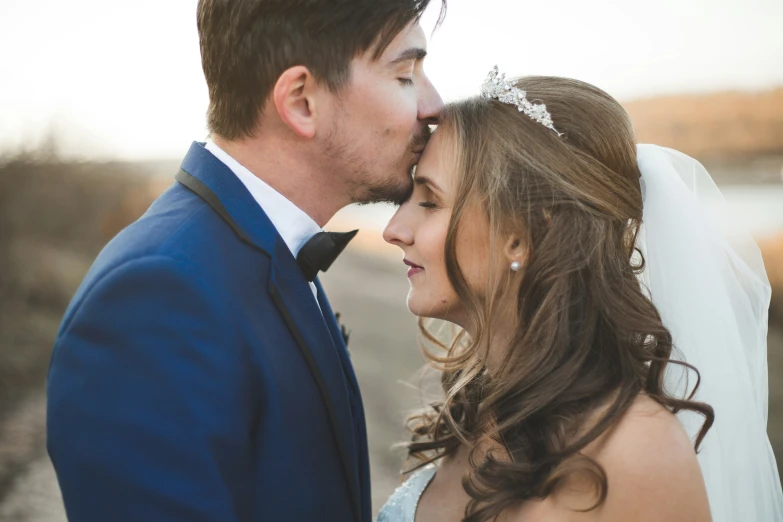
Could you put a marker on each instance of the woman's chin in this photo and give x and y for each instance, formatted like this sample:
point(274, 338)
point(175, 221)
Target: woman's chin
point(426, 308)
point(412, 307)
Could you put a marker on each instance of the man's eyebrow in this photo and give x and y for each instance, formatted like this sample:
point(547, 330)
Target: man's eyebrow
point(422, 180)
point(414, 53)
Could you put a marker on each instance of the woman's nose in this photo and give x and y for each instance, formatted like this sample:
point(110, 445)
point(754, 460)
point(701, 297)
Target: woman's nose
point(398, 232)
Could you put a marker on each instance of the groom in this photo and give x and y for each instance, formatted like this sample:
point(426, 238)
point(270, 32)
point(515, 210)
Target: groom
point(199, 373)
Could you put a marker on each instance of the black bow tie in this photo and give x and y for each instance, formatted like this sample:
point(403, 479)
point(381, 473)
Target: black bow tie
point(318, 254)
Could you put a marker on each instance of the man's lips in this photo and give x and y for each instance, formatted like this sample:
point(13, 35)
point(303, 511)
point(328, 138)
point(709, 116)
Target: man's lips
point(414, 268)
point(420, 142)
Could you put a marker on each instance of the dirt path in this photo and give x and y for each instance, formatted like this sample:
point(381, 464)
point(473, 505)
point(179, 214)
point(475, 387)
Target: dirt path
point(31, 491)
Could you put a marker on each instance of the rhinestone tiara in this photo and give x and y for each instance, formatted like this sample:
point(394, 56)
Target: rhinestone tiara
point(496, 86)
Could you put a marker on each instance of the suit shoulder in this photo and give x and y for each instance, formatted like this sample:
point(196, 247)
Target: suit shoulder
point(178, 225)
point(174, 215)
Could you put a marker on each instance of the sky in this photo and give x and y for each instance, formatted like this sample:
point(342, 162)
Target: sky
point(123, 79)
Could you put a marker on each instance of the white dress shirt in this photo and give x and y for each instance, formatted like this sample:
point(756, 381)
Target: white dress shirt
point(291, 222)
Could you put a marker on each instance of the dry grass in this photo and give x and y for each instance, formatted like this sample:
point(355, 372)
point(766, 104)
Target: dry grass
point(772, 252)
point(707, 125)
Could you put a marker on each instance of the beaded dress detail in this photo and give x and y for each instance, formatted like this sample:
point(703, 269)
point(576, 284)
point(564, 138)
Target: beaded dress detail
point(402, 504)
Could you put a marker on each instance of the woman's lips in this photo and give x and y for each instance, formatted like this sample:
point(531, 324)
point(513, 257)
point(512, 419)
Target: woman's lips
point(414, 268)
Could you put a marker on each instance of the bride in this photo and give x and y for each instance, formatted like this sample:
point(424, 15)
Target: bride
point(611, 363)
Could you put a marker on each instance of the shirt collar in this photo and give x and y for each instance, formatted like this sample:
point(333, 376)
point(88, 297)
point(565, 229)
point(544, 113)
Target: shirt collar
point(291, 222)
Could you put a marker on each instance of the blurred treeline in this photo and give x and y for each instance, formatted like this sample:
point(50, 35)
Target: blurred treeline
point(726, 125)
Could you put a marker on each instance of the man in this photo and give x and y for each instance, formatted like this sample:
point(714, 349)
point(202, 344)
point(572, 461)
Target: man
point(199, 373)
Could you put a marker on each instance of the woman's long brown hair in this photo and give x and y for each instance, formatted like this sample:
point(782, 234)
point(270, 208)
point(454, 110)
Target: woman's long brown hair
point(588, 340)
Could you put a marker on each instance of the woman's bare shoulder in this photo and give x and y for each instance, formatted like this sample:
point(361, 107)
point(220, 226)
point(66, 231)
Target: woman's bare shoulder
point(651, 469)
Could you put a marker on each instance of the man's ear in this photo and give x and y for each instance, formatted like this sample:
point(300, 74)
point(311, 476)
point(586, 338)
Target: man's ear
point(294, 98)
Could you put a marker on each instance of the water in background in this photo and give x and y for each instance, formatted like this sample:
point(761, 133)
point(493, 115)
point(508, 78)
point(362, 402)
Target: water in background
point(757, 208)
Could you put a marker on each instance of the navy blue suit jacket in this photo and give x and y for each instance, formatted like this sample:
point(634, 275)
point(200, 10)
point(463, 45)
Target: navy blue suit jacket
point(194, 377)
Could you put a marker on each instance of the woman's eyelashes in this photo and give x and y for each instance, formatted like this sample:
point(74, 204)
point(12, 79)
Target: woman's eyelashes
point(407, 82)
point(422, 196)
point(426, 198)
point(429, 201)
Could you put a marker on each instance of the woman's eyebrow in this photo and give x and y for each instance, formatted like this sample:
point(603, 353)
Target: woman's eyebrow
point(423, 180)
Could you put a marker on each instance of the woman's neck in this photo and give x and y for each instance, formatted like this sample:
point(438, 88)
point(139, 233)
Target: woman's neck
point(499, 337)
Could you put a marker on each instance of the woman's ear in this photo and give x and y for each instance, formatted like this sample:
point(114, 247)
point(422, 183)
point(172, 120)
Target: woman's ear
point(515, 252)
point(294, 97)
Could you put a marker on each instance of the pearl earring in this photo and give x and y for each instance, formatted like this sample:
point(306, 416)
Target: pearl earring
point(515, 266)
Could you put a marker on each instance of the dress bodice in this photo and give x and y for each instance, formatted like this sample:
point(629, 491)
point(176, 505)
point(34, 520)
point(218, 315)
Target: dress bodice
point(402, 504)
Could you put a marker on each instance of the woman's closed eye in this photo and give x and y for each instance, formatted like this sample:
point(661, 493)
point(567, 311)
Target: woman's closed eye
point(424, 195)
point(426, 198)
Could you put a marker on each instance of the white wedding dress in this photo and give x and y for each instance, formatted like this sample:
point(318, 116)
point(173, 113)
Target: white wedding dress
point(401, 506)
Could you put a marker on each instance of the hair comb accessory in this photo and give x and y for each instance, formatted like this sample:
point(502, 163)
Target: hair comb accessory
point(496, 86)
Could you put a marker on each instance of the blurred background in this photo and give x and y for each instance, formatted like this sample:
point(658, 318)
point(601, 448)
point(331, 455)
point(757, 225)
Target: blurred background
point(100, 100)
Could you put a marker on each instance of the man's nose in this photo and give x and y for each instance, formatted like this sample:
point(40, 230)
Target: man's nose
point(430, 103)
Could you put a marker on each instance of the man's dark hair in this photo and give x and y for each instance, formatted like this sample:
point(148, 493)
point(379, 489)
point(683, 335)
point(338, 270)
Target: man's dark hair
point(247, 44)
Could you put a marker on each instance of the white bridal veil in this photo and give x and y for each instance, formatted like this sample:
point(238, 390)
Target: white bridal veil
point(707, 279)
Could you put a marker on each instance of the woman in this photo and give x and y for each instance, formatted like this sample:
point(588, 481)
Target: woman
point(529, 227)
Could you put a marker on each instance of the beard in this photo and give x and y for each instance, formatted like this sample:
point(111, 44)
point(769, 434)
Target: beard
point(395, 192)
point(371, 182)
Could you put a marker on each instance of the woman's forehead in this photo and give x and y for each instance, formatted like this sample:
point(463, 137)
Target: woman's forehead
point(437, 161)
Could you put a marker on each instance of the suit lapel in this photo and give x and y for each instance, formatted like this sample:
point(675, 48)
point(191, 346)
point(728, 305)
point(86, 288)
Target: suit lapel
point(214, 182)
point(337, 335)
point(329, 317)
point(361, 431)
point(294, 299)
